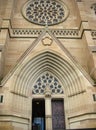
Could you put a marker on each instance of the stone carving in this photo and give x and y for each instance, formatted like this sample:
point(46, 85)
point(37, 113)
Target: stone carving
point(44, 12)
point(47, 91)
point(61, 33)
point(47, 84)
point(47, 41)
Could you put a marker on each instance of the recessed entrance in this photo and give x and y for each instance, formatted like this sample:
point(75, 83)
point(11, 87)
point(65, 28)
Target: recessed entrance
point(38, 114)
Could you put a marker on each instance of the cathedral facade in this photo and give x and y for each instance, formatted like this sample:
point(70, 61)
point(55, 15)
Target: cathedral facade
point(47, 64)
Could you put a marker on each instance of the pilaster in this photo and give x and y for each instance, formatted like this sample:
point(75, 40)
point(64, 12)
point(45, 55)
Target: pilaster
point(48, 113)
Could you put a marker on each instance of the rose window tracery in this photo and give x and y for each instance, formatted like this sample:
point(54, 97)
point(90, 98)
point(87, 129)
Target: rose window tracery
point(44, 12)
point(47, 80)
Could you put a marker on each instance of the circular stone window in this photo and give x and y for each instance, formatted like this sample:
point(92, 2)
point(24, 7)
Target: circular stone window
point(45, 12)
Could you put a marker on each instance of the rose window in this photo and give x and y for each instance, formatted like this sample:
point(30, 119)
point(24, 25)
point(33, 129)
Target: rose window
point(45, 12)
point(47, 80)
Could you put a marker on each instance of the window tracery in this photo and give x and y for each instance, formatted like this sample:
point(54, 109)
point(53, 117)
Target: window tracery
point(47, 80)
point(44, 12)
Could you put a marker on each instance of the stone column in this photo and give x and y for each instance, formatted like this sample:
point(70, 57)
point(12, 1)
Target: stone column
point(48, 111)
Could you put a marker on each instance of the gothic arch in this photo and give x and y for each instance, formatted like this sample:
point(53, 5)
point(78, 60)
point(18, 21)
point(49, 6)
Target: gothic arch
point(53, 63)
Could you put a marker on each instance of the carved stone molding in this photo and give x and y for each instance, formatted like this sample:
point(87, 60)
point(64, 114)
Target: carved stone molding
point(47, 41)
point(60, 33)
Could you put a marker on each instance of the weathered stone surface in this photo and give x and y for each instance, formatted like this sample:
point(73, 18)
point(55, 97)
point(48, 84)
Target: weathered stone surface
point(66, 50)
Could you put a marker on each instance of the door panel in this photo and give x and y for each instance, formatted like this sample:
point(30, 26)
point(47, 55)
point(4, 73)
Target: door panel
point(58, 122)
point(38, 114)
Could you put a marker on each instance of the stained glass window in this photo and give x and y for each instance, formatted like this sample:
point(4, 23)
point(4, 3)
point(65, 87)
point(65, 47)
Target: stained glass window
point(47, 80)
point(94, 8)
point(44, 12)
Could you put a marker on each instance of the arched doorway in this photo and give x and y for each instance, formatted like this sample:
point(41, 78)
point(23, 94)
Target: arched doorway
point(48, 75)
point(38, 114)
point(48, 113)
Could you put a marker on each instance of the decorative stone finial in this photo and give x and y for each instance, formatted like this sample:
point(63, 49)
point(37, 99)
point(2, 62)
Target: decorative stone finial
point(47, 91)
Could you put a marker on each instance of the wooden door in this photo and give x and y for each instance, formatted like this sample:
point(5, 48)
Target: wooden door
point(58, 120)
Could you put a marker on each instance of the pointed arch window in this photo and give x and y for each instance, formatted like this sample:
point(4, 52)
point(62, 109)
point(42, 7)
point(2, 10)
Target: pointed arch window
point(47, 80)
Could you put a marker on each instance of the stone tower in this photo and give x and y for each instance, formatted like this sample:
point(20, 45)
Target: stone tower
point(47, 64)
